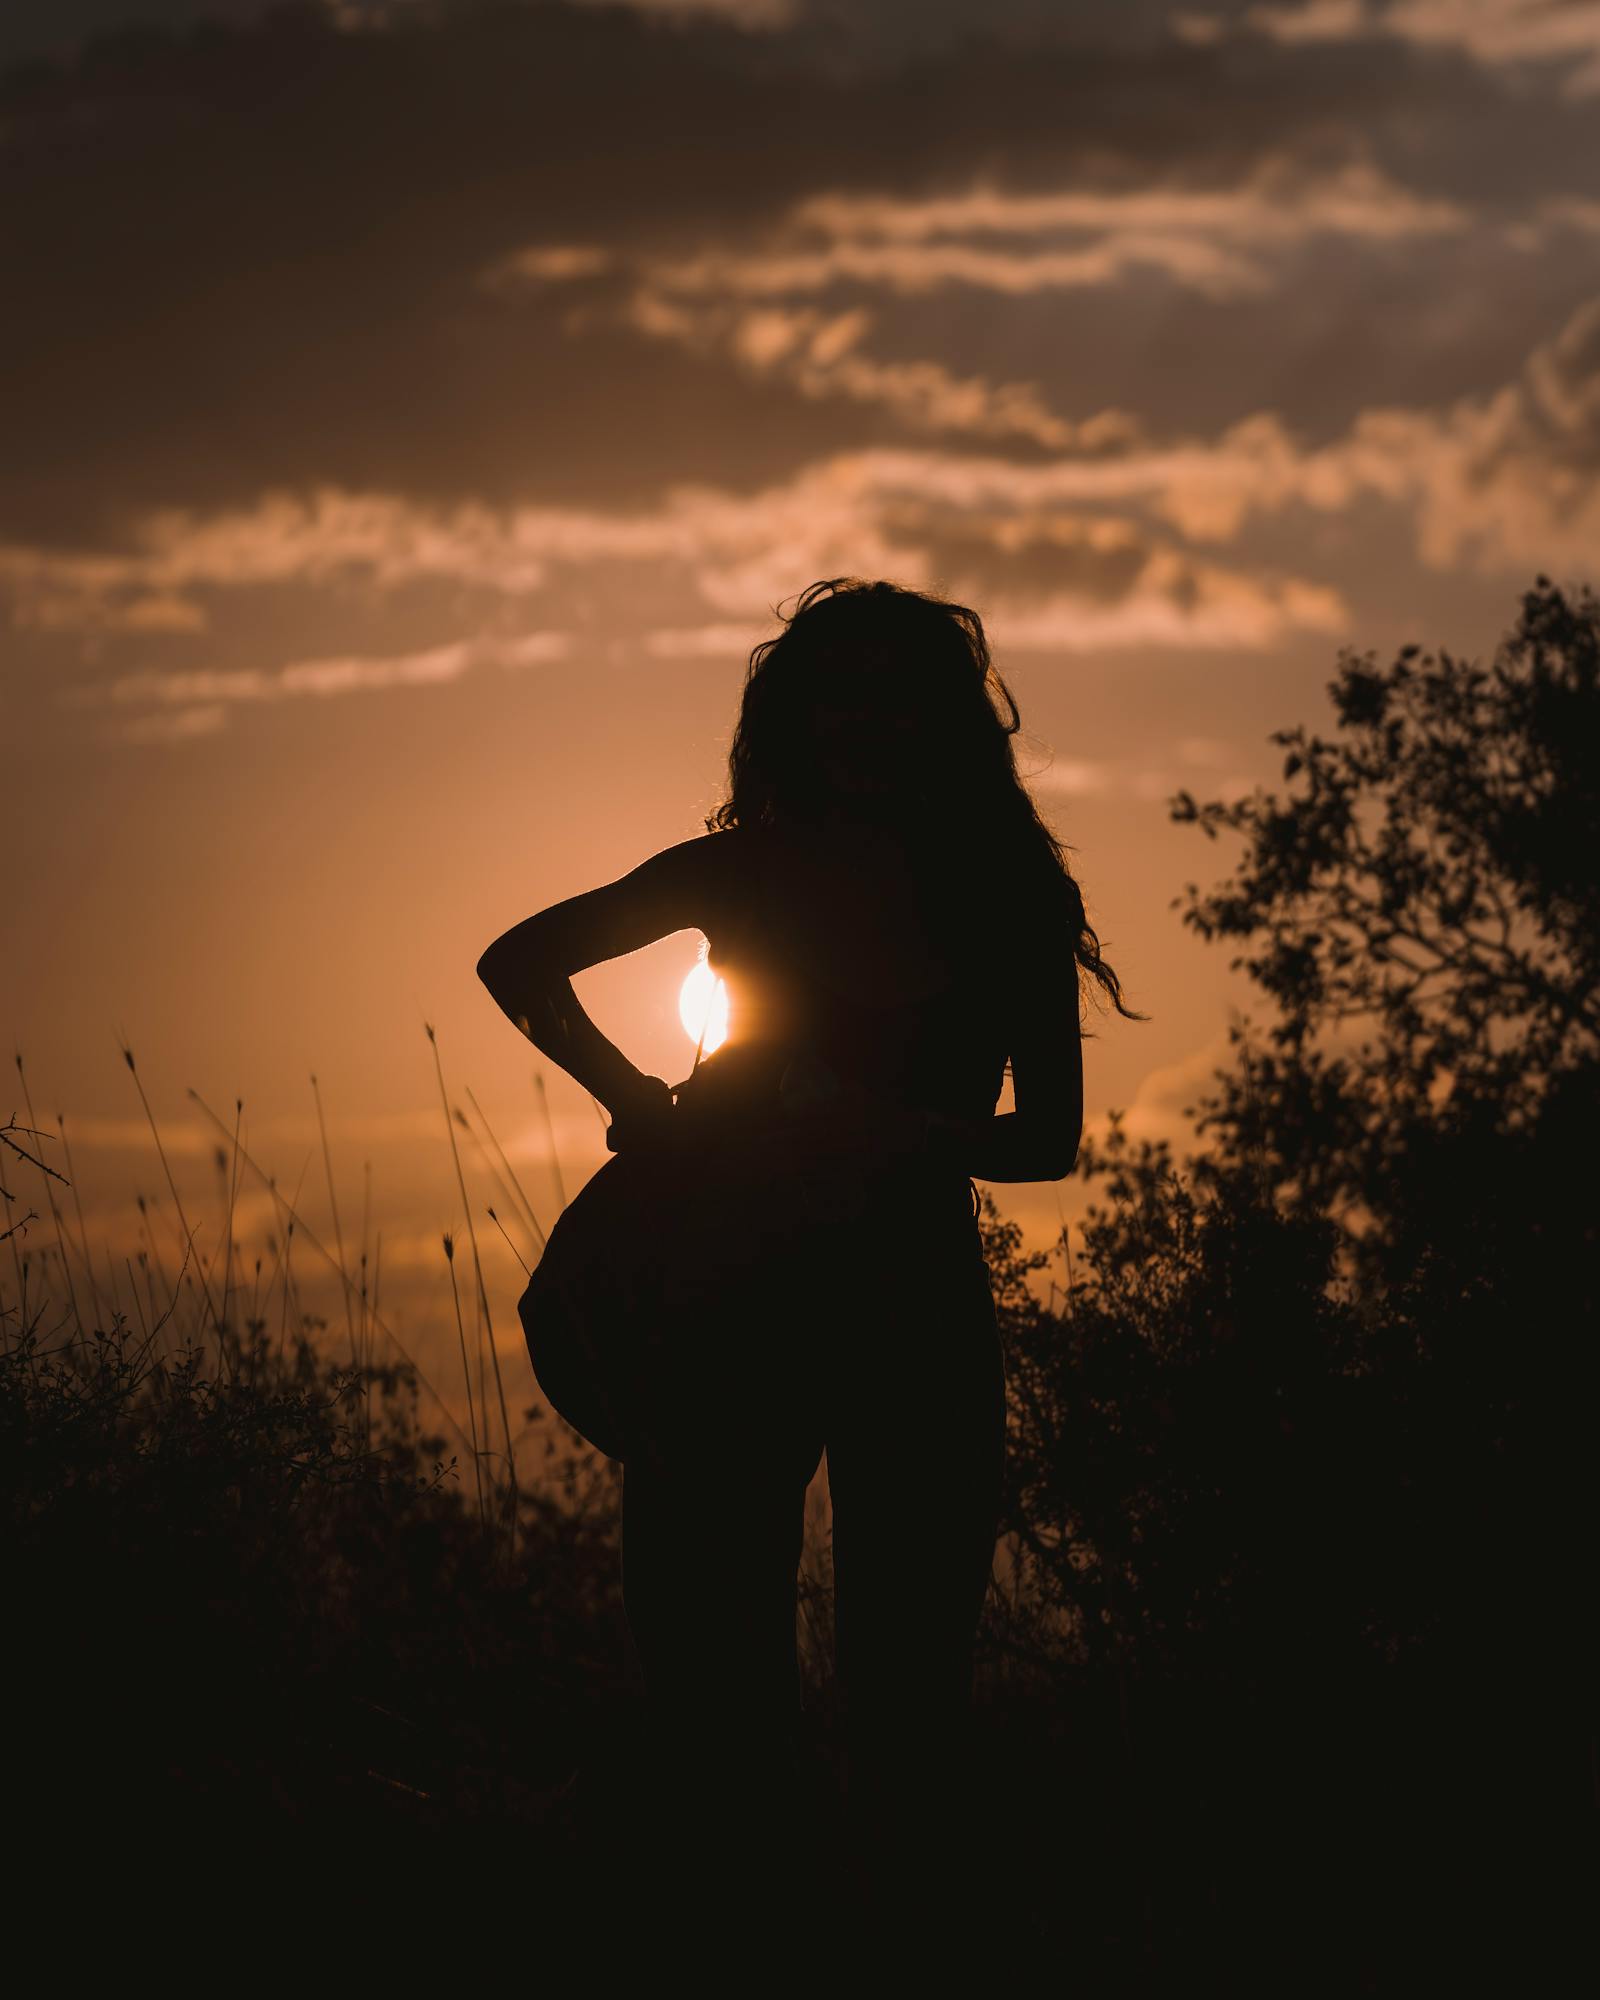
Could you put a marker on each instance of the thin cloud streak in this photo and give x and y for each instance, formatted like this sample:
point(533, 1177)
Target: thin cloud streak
point(1280, 202)
point(1084, 778)
point(352, 675)
point(215, 690)
point(1492, 31)
point(1176, 603)
point(816, 354)
point(1218, 241)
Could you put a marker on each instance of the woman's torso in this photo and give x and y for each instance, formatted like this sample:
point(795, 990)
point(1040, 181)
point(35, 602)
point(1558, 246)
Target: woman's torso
point(847, 948)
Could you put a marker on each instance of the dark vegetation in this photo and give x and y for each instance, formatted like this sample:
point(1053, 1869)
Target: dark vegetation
point(1285, 1681)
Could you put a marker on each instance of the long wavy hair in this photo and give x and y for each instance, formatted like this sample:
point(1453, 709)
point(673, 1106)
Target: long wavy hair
point(863, 646)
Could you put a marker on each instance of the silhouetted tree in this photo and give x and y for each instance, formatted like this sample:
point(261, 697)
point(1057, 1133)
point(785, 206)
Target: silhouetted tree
point(1310, 1429)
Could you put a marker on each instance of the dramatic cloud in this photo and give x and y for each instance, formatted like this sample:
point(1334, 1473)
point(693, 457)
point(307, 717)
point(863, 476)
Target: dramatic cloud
point(575, 254)
point(501, 317)
point(1051, 579)
point(1220, 241)
point(817, 355)
point(1493, 31)
point(1510, 479)
point(209, 688)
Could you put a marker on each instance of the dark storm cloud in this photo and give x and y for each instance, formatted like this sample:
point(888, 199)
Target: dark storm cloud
point(61, 28)
point(843, 34)
point(253, 257)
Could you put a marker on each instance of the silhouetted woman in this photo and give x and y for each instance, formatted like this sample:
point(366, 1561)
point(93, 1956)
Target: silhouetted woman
point(893, 922)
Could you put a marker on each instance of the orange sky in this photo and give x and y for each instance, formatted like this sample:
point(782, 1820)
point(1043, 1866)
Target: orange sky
point(413, 419)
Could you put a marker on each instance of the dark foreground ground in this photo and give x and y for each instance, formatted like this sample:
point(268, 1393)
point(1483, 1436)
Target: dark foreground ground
point(1144, 1844)
point(274, 1715)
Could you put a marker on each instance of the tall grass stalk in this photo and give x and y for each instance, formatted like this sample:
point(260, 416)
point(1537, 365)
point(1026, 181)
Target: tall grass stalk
point(328, 1257)
point(338, 1233)
point(466, 1372)
point(488, 1166)
point(527, 1206)
point(550, 1131)
point(509, 1244)
point(55, 1213)
point(364, 1333)
point(227, 1229)
point(283, 1324)
point(111, 1276)
point(377, 1275)
point(288, 1238)
point(154, 1251)
point(161, 1153)
point(158, 1365)
point(483, 1293)
point(477, 1348)
point(133, 1286)
point(20, 1258)
point(150, 1264)
point(77, 1202)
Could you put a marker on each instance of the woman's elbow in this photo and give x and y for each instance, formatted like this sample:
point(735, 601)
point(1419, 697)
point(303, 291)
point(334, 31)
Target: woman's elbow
point(1065, 1153)
point(503, 973)
point(1046, 1159)
point(529, 953)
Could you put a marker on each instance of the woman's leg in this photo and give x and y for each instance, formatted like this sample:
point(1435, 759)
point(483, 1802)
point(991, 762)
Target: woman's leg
point(712, 1526)
point(916, 1442)
point(709, 1560)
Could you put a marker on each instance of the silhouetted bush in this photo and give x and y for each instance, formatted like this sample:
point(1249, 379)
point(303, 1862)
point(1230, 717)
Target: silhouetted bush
point(1300, 1463)
point(251, 1605)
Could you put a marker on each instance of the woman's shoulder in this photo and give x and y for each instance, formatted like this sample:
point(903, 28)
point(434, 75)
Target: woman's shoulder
point(714, 867)
point(702, 852)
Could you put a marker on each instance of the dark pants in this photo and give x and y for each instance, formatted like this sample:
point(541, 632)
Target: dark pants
point(868, 1330)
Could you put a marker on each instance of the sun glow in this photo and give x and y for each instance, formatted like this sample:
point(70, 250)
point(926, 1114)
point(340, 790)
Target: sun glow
point(703, 1003)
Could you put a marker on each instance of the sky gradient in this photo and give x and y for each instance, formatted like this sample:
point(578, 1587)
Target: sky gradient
point(413, 415)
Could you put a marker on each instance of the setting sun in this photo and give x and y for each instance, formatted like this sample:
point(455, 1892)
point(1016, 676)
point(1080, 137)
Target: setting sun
point(703, 1003)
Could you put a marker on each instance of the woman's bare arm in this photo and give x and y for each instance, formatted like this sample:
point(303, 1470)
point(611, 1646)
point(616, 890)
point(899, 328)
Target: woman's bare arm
point(528, 969)
point(1039, 1140)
